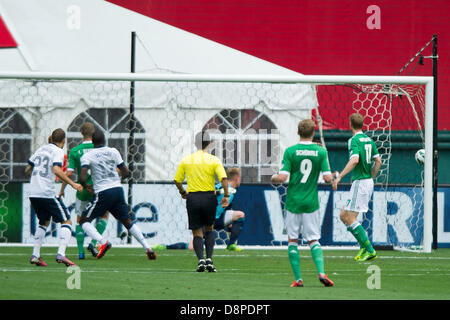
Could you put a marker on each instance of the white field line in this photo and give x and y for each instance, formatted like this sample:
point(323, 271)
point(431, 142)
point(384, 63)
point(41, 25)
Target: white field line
point(219, 246)
point(340, 273)
point(243, 255)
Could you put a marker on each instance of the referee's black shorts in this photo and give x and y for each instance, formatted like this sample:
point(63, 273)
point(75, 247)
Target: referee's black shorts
point(201, 209)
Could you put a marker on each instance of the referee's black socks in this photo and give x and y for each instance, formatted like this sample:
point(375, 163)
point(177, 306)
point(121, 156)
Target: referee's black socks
point(209, 244)
point(197, 242)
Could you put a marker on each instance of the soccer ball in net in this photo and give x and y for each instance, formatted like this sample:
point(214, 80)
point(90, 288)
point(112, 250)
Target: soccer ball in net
point(420, 156)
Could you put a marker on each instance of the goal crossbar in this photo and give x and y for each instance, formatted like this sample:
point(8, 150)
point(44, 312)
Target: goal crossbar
point(306, 79)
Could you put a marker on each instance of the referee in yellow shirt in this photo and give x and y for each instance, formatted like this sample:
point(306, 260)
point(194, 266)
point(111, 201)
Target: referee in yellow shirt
point(200, 169)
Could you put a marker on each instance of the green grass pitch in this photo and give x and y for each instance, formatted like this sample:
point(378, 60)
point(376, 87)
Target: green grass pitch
point(125, 273)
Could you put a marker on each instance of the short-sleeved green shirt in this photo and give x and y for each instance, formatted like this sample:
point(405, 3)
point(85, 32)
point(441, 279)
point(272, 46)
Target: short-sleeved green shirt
point(362, 146)
point(303, 163)
point(74, 164)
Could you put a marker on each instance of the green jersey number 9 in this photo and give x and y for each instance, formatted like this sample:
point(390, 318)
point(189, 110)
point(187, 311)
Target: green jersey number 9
point(305, 169)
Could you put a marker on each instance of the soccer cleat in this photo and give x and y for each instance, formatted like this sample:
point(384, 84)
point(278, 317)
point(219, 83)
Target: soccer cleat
point(359, 254)
point(159, 247)
point(103, 248)
point(62, 259)
point(210, 266)
point(151, 254)
point(298, 283)
point(233, 247)
point(81, 256)
point(368, 256)
point(325, 281)
point(37, 261)
point(91, 248)
point(201, 266)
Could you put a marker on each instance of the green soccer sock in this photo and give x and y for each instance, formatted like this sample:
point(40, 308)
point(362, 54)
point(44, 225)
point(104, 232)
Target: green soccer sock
point(100, 226)
point(294, 259)
point(317, 255)
point(79, 235)
point(360, 234)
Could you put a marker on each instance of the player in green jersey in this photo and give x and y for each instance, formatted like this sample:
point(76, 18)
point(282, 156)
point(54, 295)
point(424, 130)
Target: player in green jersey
point(302, 164)
point(83, 198)
point(365, 162)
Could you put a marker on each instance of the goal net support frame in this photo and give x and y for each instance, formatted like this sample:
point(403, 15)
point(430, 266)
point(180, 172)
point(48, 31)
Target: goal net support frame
point(427, 82)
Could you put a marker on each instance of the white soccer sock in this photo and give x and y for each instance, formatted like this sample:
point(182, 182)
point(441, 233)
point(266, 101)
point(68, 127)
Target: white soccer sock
point(93, 233)
point(64, 238)
point(39, 237)
point(137, 233)
point(354, 225)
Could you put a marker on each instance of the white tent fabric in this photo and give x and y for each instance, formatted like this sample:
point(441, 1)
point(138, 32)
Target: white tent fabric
point(94, 36)
point(50, 41)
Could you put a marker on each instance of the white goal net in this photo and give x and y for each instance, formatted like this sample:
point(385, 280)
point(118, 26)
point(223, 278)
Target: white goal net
point(253, 120)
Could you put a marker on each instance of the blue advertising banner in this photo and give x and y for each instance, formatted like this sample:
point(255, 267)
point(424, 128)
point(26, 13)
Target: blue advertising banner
point(395, 216)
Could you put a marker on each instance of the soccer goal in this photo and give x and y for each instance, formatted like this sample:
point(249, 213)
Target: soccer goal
point(152, 120)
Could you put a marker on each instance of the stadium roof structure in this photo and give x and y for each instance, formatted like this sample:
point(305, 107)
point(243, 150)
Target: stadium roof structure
point(95, 36)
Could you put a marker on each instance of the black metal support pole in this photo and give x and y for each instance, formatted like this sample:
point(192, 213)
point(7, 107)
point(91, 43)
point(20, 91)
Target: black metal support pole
point(131, 128)
point(435, 144)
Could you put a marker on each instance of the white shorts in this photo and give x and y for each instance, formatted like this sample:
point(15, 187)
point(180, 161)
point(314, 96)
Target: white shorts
point(228, 219)
point(308, 224)
point(359, 196)
point(80, 206)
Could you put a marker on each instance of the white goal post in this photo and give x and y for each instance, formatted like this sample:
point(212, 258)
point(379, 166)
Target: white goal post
point(313, 80)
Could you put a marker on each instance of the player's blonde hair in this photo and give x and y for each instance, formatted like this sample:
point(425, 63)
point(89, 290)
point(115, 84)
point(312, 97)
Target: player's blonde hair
point(356, 121)
point(87, 129)
point(233, 172)
point(306, 128)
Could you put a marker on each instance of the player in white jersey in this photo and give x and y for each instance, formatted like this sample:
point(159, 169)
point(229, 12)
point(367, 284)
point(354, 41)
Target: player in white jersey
point(44, 166)
point(109, 195)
